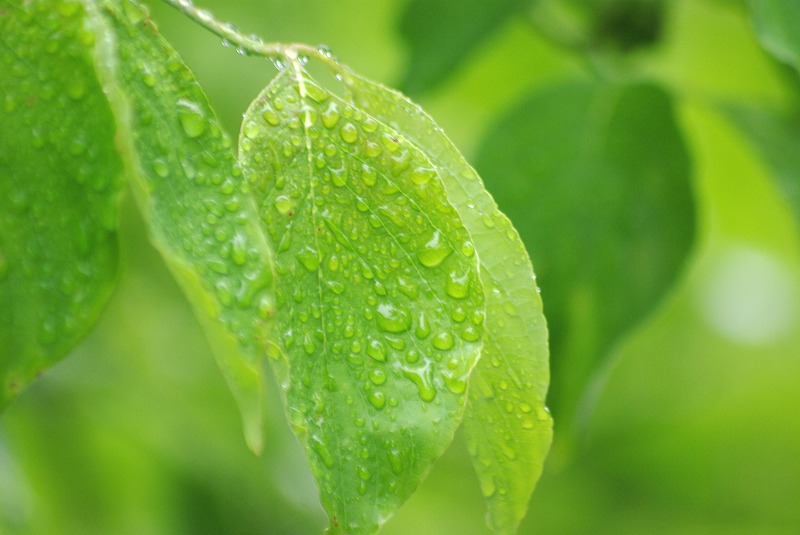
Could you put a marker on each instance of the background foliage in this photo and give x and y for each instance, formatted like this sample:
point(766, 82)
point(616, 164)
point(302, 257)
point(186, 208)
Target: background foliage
point(690, 420)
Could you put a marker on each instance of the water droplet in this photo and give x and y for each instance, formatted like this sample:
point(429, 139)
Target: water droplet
point(392, 319)
point(349, 133)
point(391, 142)
point(160, 167)
point(457, 285)
point(271, 117)
point(368, 175)
point(423, 329)
point(443, 341)
point(250, 129)
point(434, 251)
point(308, 257)
point(363, 473)
point(467, 249)
point(471, 333)
point(330, 116)
point(395, 460)
point(191, 118)
point(239, 249)
point(424, 385)
point(377, 376)
point(376, 350)
point(372, 149)
point(422, 175)
point(284, 204)
point(377, 399)
point(322, 450)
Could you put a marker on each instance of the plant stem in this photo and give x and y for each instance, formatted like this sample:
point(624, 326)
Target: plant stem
point(252, 45)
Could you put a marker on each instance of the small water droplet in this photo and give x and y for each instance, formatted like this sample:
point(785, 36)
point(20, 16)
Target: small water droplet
point(308, 257)
point(377, 399)
point(422, 175)
point(322, 450)
point(239, 249)
point(376, 350)
point(377, 376)
point(391, 142)
point(250, 130)
point(349, 133)
point(330, 116)
point(457, 285)
point(392, 319)
point(160, 167)
point(191, 117)
point(434, 251)
point(443, 341)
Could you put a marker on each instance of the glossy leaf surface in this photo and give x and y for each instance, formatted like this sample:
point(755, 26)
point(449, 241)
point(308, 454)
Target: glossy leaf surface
point(778, 25)
point(59, 189)
point(507, 425)
point(379, 303)
point(606, 209)
point(191, 192)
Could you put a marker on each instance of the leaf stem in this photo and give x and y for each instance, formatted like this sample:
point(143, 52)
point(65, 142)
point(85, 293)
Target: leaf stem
point(253, 45)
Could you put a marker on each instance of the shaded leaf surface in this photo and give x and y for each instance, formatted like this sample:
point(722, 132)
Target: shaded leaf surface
point(605, 207)
point(507, 426)
point(191, 192)
point(379, 306)
point(442, 33)
point(59, 189)
point(777, 23)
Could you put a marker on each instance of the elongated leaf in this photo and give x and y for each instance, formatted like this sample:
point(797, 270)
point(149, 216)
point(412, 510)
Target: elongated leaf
point(507, 426)
point(380, 306)
point(59, 188)
point(778, 25)
point(598, 177)
point(192, 195)
point(442, 33)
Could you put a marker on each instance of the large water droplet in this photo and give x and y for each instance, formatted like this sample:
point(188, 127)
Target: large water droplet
point(308, 257)
point(377, 399)
point(322, 450)
point(349, 133)
point(457, 285)
point(191, 118)
point(443, 341)
point(424, 384)
point(376, 350)
point(434, 251)
point(392, 319)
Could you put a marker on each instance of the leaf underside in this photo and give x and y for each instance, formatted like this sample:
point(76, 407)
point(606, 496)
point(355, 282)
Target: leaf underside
point(59, 189)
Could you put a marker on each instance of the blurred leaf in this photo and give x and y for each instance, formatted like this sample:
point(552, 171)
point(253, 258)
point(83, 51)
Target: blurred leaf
point(380, 307)
point(776, 138)
point(192, 195)
point(442, 33)
point(59, 189)
point(507, 426)
point(597, 177)
point(778, 25)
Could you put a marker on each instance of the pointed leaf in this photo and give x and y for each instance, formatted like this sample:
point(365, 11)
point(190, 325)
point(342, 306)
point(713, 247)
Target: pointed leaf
point(778, 26)
point(59, 189)
point(191, 192)
point(507, 426)
point(380, 308)
point(597, 176)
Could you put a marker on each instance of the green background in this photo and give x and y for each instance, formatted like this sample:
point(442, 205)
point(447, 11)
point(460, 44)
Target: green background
point(695, 431)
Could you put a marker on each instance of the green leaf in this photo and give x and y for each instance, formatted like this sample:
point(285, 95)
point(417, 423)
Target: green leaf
point(776, 137)
point(507, 426)
point(379, 304)
point(442, 33)
point(777, 23)
point(59, 189)
point(597, 175)
point(194, 200)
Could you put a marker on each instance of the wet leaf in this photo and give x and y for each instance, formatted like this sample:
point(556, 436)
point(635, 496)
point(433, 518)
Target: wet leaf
point(194, 200)
point(59, 189)
point(379, 304)
point(777, 23)
point(598, 177)
point(442, 33)
point(507, 426)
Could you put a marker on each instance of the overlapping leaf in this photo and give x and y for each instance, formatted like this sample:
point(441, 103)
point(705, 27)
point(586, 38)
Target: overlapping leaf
point(605, 197)
point(194, 200)
point(379, 303)
point(507, 425)
point(59, 189)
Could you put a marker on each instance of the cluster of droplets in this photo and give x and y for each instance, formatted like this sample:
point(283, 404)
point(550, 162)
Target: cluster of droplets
point(58, 198)
point(378, 296)
point(196, 191)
